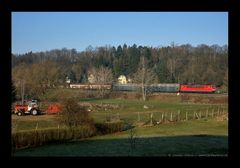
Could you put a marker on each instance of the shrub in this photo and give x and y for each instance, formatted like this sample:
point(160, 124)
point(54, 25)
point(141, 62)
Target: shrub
point(74, 115)
point(25, 139)
point(32, 138)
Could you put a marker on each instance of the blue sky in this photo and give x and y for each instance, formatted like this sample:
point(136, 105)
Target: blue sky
point(41, 31)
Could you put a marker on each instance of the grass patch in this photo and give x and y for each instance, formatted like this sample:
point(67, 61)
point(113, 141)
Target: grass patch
point(199, 137)
point(205, 136)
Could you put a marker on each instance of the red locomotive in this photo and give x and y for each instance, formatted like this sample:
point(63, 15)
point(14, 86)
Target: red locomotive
point(198, 88)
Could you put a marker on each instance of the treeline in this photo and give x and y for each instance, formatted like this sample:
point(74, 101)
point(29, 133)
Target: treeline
point(171, 64)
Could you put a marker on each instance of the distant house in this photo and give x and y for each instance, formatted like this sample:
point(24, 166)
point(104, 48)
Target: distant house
point(122, 79)
point(91, 78)
point(68, 80)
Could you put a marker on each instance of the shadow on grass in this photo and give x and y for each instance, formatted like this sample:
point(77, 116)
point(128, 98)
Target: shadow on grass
point(192, 145)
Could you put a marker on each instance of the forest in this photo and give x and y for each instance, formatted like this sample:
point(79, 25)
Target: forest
point(184, 64)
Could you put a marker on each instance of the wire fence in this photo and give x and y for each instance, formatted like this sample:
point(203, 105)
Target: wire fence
point(181, 115)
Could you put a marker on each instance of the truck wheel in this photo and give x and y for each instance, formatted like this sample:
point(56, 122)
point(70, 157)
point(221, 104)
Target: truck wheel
point(19, 113)
point(34, 112)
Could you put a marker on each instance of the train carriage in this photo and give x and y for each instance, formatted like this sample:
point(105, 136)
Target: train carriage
point(164, 87)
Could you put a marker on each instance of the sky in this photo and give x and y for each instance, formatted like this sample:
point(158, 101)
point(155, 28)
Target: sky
point(44, 31)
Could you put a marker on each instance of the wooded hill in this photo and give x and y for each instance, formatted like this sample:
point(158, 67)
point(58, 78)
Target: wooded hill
point(202, 64)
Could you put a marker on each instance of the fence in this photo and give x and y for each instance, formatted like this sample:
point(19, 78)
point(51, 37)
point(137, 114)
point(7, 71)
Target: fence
point(180, 115)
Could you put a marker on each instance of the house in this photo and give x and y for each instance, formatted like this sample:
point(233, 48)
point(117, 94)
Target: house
point(122, 79)
point(68, 80)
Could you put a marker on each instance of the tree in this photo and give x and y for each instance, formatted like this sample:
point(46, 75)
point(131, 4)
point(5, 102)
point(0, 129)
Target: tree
point(132, 138)
point(102, 76)
point(225, 82)
point(161, 71)
point(182, 64)
point(13, 92)
point(36, 78)
point(77, 70)
point(133, 59)
point(73, 114)
point(144, 76)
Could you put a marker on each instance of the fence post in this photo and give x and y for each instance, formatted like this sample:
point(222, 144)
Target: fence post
point(186, 115)
point(151, 118)
point(171, 117)
point(197, 116)
point(36, 126)
point(162, 118)
point(138, 117)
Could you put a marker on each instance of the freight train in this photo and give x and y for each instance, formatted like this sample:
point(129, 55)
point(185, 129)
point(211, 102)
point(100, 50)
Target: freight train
point(163, 87)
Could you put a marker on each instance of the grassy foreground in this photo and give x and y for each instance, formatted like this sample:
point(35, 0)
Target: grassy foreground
point(199, 137)
point(127, 110)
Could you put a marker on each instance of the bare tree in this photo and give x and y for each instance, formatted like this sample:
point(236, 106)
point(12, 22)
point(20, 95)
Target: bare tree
point(144, 76)
point(225, 82)
point(35, 79)
point(132, 138)
point(102, 76)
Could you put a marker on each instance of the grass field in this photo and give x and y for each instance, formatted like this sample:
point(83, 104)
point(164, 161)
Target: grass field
point(127, 110)
point(202, 136)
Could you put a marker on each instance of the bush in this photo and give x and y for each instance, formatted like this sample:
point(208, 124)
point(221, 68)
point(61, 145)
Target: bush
point(25, 139)
point(74, 115)
point(32, 138)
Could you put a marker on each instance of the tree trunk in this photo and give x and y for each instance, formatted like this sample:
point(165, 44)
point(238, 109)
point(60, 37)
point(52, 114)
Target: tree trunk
point(143, 93)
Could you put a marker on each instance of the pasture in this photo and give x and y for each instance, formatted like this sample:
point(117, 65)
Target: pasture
point(189, 138)
point(178, 128)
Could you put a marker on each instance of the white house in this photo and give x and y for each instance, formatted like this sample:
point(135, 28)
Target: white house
point(68, 80)
point(122, 79)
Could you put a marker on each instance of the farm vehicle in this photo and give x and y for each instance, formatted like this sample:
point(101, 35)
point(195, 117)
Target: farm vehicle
point(30, 107)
